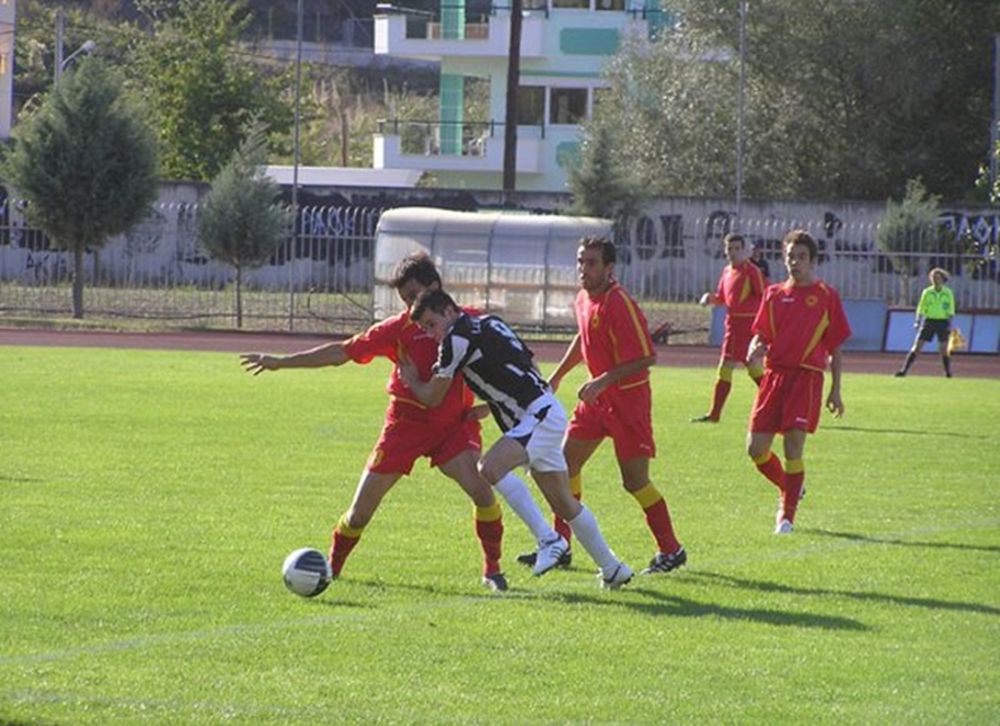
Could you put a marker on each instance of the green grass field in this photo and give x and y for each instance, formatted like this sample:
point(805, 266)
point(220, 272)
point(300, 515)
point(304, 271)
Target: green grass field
point(147, 500)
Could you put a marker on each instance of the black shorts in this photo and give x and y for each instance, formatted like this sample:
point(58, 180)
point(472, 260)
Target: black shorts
point(930, 328)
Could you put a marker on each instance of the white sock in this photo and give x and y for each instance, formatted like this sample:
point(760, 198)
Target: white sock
point(515, 492)
point(589, 534)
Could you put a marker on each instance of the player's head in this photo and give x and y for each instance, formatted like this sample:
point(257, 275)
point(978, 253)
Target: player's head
point(938, 277)
point(434, 310)
point(735, 247)
point(415, 273)
point(595, 264)
point(801, 252)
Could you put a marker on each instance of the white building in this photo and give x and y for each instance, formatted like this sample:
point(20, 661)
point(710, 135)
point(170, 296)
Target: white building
point(564, 43)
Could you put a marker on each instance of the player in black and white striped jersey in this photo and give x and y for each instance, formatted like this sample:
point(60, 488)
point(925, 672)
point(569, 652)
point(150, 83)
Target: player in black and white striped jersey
point(498, 367)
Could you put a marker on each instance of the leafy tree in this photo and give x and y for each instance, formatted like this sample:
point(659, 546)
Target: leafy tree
point(200, 88)
point(240, 222)
point(601, 185)
point(843, 99)
point(909, 227)
point(86, 164)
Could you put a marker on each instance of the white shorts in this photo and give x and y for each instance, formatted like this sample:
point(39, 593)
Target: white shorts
point(541, 434)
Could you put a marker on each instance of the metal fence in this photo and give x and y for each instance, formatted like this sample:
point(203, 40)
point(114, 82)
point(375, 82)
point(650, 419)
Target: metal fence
point(322, 278)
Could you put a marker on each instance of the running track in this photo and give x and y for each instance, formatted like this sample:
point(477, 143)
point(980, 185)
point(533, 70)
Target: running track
point(975, 366)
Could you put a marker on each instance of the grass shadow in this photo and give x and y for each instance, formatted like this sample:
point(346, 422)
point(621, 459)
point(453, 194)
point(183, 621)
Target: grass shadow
point(777, 587)
point(904, 543)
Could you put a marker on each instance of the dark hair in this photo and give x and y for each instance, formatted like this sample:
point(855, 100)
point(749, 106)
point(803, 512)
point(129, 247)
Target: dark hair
point(436, 301)
point(606, 246)
point(734, 237)
point(415, 266)
point(801, 237)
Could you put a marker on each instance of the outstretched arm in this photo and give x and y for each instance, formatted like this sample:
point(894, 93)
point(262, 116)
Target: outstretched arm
point(834, 403)
point(571, 358)
point(328, 354)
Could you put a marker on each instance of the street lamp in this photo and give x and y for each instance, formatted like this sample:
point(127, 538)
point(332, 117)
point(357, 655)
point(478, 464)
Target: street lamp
point(60, 64)
point(741, 113)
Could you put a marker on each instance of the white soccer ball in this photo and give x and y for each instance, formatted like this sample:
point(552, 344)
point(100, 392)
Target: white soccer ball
point(306, 572)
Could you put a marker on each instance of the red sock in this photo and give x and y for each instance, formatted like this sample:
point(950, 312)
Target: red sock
point(719, 398)
point(654, 506)
point(345, 539)
point(795, 475)
point(771, 468)
point(489, 530)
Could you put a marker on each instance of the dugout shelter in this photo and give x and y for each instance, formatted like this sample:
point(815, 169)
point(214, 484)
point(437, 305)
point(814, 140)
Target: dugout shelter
point(519, 266)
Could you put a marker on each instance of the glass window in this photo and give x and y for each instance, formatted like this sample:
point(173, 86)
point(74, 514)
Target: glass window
point(610, 4)
point(531, 105)
point(568, 105)
point(585, 4)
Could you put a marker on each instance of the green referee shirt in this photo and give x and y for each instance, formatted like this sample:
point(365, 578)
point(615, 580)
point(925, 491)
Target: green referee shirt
point(936, 305)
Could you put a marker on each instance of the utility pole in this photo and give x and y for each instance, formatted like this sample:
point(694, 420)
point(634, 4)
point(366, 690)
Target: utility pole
point(995, 126)
point(290, 260)
point(513, 81)
point(60, 27)
point(741, 114)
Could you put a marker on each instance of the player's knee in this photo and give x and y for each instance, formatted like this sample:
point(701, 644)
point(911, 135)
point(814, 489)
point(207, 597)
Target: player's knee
point(490, 472)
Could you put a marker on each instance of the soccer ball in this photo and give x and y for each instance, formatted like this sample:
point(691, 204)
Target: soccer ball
point(306, 572)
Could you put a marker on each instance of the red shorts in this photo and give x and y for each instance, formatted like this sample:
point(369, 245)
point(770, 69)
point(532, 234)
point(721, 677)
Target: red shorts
point(787, 399)
point(404, 440)
point(624, 415)
point(736, 341)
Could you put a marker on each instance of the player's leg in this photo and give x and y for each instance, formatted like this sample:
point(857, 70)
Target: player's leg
point(635, 479)
point(720, 392)
point(767, 462)
point(367, 497)
point(918, 344)
point(795, 474)
point(942, 336)
point(756, 372)
point(555, 488)
point(577, 452)
point(463, 469)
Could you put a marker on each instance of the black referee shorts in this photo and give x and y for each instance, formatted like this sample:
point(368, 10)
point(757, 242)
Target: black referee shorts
point(930, 328)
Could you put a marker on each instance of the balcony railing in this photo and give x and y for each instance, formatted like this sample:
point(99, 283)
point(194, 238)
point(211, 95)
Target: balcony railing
point(450, 138)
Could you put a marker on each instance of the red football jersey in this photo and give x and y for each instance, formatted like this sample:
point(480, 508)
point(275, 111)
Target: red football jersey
point(801, 325)
point(399, 338)
point(613, 331)
point(741, 288)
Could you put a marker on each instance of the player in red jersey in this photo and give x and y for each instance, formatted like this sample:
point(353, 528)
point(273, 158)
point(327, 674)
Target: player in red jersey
point(613, 340)
point(800, 325)
point(447, 434)
point(740, 289)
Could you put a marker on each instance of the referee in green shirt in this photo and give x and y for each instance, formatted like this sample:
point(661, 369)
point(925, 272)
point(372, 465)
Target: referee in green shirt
point(933, 318)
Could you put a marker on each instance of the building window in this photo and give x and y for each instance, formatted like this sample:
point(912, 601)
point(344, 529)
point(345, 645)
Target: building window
point(531, 105)
point(567, 105)
point(609, 4)
point(585, 4)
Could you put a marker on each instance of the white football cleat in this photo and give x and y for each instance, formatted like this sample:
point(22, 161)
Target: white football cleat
point(783, 527)
point(620, 575)
point(548, 555)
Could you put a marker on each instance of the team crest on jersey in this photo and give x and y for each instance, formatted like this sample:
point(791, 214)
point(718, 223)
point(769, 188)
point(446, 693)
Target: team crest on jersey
point(811, 301)
point(595, 321)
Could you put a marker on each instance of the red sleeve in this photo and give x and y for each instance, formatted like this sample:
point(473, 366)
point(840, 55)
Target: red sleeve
point(757, 280)
point(631, 331)
point(839, 329)
point(762, 324)
point(720, 289)
point(381, 339)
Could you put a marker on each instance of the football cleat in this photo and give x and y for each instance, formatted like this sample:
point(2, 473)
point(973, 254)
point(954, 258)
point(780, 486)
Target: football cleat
point(783, 527)
point(548, 555)
point(495, 582)
point(528, 558)
point(666, 563)
point(706, 418)
point(621, 575)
